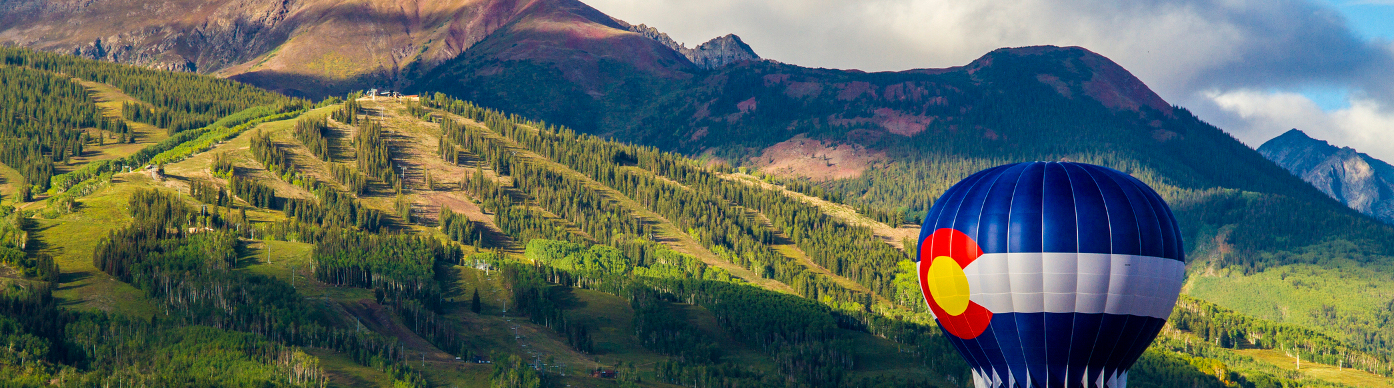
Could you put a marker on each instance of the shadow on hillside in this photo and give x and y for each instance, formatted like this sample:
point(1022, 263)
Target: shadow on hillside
point(565, 298)
point(310, 86)
point(36, 246)
point(66, 279)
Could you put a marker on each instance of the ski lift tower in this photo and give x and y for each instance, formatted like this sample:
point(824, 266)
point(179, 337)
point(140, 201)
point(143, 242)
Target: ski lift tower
point(373, 92)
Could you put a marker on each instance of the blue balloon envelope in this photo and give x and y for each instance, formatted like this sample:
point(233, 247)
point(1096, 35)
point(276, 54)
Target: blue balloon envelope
point(1050, 274)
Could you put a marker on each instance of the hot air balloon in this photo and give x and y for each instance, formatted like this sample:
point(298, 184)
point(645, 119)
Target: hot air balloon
point(1049, 274)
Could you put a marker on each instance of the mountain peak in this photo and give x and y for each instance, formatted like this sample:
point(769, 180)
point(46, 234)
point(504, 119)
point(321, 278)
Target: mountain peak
point(721, 51)
point(1296, 151)
point(1292, 136)
point(1360, 181)
point(1072, 70)
point(712, 54)
point(1295, 132)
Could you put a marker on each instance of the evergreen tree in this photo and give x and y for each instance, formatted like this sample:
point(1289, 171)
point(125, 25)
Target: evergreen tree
point(475, 306)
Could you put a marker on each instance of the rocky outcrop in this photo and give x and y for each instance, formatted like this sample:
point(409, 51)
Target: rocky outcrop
point(659, 36)
point(714, 53)
point(210, 36)
point(1361, 182)
point(720, 51)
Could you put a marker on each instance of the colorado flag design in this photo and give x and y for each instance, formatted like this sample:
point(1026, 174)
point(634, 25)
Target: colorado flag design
point(1050, 274)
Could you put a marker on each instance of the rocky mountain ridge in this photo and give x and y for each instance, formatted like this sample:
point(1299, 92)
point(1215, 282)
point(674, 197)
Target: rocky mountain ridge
point(721, 51)
point(177, 36)
point(1363, 183)
point(323, 47)
point(718, 52)
point(297, 47)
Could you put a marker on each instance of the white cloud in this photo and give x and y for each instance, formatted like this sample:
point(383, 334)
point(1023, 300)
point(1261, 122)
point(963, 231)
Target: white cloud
point(1365, 125)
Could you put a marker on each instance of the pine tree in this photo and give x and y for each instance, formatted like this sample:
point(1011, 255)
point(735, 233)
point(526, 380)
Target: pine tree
point(474, 302)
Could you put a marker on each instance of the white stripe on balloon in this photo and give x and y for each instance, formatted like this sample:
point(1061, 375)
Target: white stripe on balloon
point(1055, 282)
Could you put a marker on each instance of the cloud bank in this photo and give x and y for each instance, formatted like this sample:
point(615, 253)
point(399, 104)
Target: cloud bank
point(1364, 125)
point(1205, 55)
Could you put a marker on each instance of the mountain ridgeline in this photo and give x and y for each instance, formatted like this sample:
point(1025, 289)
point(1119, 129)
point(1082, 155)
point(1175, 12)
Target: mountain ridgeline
point(713, 54)
point(1364, 183)
point(318, 48)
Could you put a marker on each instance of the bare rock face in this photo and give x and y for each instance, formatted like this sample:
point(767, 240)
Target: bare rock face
point(720, 51)
point(655, 34)
point(173, 35)
point(714, 53)
point(1363, 183)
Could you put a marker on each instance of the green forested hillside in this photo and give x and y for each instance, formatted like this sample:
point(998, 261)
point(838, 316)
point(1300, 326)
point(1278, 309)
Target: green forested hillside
point(433, 242)
point(914, 133)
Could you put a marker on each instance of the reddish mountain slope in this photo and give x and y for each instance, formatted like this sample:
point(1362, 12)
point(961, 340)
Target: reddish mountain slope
point(319, 47)
point(574, 38)
point(1104, 80)
point(627, 88)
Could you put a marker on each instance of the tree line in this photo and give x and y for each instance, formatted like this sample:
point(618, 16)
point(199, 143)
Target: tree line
point(254, 193)
point(716, 222)
point(179, 101)
point(515, 218)
point(271, 156)
point(311, 132)
point(801, 336)
point(43, 121)
point(1228, 329)
point(334, 209)
point(564, 195)
point(373, 155)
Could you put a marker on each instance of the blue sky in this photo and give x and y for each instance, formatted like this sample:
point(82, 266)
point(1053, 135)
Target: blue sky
point(1255, 68)
point(1372, 19)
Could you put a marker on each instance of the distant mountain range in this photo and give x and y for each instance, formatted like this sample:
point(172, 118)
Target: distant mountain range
point(1362, 182)
point(559, 60)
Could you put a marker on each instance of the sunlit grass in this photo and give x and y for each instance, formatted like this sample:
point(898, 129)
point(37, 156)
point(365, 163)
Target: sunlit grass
point(1333, 373)
point(71, 238)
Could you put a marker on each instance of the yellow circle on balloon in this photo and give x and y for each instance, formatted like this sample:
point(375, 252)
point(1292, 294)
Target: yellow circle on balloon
point(948, 285)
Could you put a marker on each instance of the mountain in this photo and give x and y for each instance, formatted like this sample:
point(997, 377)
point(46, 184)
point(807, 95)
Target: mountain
point(797, 180)
point(1004, 103)
point(304, 47)
point(412, 241)
point(328, 47)
point(1364, 183)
